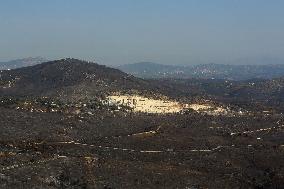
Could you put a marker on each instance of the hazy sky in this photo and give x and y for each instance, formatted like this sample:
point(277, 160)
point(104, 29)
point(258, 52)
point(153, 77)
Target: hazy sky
point(128, 31)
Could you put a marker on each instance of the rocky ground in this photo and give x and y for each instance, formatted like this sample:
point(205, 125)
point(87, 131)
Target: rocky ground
point(132, 150)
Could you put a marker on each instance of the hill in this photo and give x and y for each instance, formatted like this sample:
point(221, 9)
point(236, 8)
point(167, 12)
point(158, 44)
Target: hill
point(247, 94)
point(67, 79)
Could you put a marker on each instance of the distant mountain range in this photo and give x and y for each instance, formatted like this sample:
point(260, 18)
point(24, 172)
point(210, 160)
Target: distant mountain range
point(150, 70)
point(19, 63)
point(205, 71)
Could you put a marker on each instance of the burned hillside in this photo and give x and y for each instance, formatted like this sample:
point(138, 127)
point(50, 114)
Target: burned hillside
point(74, 124)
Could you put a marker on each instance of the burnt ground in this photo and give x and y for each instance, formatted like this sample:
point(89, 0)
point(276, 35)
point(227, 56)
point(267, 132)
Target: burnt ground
point(125, 150)
point(56, 133)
